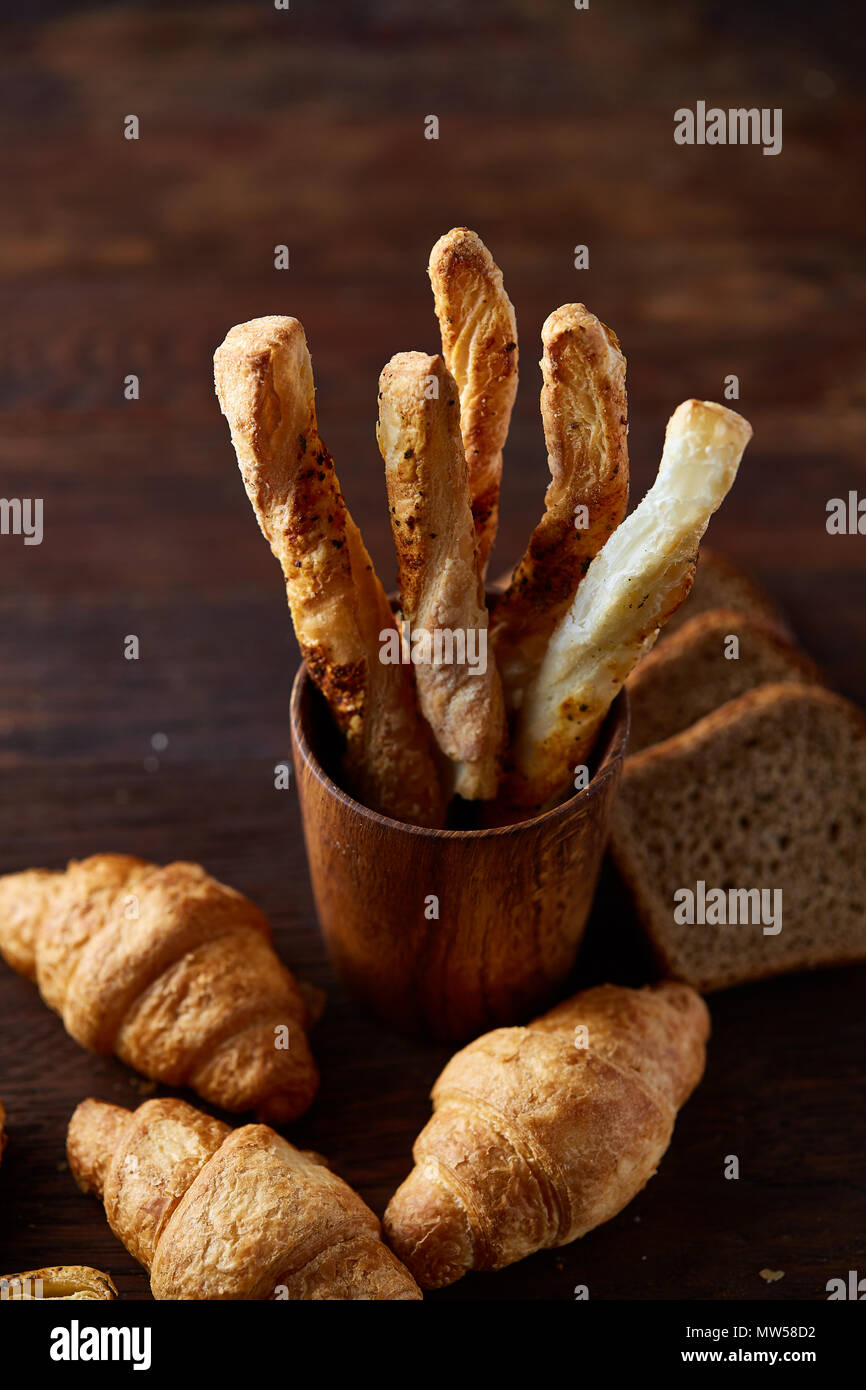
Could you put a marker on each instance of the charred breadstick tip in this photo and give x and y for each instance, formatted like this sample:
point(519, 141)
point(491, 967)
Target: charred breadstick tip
point(224, 1214)
point(67, 1283)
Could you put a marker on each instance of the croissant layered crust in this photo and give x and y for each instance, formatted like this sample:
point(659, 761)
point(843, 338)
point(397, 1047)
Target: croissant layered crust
point(171, 970)
point(541, 1133)
point(216, 1213)
point(58, 1283)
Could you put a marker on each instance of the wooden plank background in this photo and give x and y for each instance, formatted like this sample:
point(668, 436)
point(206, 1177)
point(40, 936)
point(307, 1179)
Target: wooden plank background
point(306, 128)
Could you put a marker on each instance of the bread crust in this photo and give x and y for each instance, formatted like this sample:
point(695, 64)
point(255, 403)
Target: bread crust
point(214, 1213)
point(632, 586)
point(264, 382)
point(727, 728)
point(584, 411)
point(658, 680)
point(171, 970)
point(479, 344)
point(537, 1135)
point(63, 1283)
point(440, 585)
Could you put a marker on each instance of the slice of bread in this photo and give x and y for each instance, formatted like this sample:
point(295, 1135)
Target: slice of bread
point(766, 793)
point(720, 584)
point(686, 677)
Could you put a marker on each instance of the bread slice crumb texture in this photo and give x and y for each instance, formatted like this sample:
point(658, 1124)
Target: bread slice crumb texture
point(767, 792)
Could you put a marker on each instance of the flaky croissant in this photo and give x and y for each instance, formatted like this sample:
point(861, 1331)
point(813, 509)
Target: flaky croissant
point(64, 1283)
point(541, 1133)
point(169, 969)
point(441, 590)
point(479, 344)
point(216, 1213)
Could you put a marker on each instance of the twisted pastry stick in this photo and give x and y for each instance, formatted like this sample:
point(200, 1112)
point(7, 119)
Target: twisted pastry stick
point(441, 590)
point(216, 1213)
point(264, 381)
point(479, 344)
point(631, 588)
point(583, 408)
point(169, 969)
point(541, 1133)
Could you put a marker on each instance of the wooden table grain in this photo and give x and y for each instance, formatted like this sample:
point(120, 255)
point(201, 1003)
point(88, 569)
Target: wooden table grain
point(122, 258)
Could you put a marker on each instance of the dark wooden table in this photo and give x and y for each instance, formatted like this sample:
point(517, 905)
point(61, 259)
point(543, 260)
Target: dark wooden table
point(117, 257)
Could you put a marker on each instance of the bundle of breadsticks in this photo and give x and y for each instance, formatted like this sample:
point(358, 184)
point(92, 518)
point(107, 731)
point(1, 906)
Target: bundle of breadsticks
point(430, 718)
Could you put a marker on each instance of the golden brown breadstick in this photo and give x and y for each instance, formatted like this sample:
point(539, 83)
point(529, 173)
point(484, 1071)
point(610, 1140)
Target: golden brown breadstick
point(479, 344)
point(634, 584)
point(441, 590)
point(583, 407)
point(264, 381)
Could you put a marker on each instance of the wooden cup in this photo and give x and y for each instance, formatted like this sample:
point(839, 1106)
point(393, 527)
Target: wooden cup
point(512, 901)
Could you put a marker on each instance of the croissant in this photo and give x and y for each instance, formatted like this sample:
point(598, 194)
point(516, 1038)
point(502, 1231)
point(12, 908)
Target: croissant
point(216, 1213)
point(66, 1283)
point(169, 969)
point(541, 1133)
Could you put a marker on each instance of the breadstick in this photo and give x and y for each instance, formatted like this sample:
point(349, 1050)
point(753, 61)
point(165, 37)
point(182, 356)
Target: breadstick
point(479, 344)
point(632, 587)
point(441, 590)
point(583, 407)
point(264, 381)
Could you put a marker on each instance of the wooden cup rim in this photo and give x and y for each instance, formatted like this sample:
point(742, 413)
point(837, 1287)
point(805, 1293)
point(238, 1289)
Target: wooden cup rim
point(612, 742)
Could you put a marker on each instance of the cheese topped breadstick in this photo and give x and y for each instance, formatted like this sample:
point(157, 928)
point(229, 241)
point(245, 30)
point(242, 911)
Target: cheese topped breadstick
point(264, 381)
point(441, 590)
point(583, 408)
point(632, 587)
point(479, 344)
